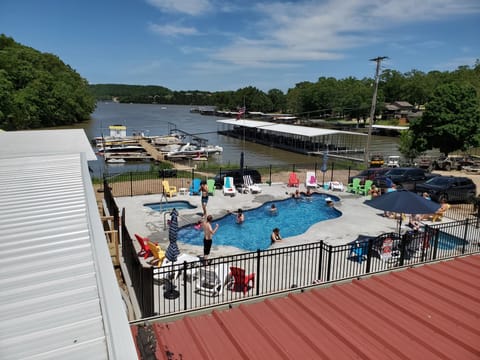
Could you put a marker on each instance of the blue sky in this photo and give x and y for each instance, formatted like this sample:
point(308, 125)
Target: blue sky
point(219, 45)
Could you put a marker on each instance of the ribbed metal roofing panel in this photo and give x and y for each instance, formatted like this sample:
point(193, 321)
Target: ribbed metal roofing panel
point(59, 297)
point(427, 312)
point(45, 142)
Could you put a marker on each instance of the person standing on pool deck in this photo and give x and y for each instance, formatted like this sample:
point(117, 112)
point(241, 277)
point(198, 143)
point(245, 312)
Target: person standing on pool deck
point(208, 232)
point(204, 196)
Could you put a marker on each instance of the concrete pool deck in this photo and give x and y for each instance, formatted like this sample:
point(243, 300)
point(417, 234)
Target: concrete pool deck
point(357, 218)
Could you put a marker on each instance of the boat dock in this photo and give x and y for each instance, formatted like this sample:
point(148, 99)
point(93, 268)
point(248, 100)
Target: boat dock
point(151, 150)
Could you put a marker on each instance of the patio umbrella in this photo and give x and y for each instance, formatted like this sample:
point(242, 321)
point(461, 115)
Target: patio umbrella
point(403, 202)
point(172, 250)
point(324, 167)
point(172, 254)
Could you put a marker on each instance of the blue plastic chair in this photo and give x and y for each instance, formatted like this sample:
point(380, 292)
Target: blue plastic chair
point(195, 187)
point(358, 251)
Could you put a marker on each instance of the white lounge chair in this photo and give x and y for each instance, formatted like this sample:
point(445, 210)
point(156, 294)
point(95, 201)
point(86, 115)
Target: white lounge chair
point(171, 270)
point(212, 281)
point(336, 185)
point(250, 186)
point(229, 186)
point(311, 180)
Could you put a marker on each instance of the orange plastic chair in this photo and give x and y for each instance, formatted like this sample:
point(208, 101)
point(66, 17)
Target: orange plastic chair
point(241, 280)
point(293, 180)
point(145, 251)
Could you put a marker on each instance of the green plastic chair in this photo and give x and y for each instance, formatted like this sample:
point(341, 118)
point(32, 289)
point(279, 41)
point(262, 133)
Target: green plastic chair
point(364, 189)
point(211, 186)
point(353, 186)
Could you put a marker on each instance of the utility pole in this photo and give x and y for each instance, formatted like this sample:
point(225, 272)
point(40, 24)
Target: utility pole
point(378, 60)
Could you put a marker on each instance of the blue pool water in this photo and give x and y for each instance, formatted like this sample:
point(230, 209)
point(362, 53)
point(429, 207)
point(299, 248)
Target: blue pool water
point(448, 242)
point(163, 206)
point(293, 217)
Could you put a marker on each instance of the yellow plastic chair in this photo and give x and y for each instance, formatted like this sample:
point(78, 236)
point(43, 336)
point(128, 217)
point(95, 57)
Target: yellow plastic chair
point(157, 252)
point(169, 190)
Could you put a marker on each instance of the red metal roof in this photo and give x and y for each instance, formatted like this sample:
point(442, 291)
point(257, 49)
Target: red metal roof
point(427, 312)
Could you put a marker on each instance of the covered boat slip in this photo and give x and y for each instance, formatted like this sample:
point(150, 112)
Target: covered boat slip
point(300, 139)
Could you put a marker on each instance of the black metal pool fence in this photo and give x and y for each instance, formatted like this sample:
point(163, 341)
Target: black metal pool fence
point(185, 287)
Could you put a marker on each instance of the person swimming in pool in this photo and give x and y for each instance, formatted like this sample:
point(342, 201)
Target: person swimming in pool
point(273, 210)
point(275, 236)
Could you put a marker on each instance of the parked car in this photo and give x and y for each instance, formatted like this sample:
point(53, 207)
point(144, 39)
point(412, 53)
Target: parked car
point(368, 174)
point(404, 178)
point(376, 160)
point(425, 162)
point(453, 162)
point(393, 161)
point(237, 177)
point(450, 188)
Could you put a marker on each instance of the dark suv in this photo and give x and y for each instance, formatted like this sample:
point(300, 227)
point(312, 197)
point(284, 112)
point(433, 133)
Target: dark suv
point(450, 188)
point(404, 178)
point(237, 177)
point(368, 174)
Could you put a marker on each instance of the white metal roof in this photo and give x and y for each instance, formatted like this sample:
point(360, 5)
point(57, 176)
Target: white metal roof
point(26, 143)
point(59, 297)
point(287, 129)
point(391, 127)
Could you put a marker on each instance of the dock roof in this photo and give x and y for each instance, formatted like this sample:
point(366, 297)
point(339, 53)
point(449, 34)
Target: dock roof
point(287, 129)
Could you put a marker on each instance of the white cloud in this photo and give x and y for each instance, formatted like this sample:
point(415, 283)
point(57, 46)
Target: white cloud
point(172, 30)
point(313, 31)
point(190, 7)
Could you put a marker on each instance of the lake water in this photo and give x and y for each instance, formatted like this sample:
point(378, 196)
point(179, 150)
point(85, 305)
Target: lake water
point(156, 119)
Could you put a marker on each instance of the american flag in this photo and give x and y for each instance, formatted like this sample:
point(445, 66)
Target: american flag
point(241, 111)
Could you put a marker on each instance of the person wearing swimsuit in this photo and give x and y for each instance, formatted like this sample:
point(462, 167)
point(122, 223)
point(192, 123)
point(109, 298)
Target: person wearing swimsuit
point(275, 235)
point(204, 196)
point(208, 232)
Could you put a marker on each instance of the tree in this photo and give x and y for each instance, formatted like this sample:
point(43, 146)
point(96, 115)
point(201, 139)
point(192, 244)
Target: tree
point(451, 120)
point(39, 90)
point(406, 146)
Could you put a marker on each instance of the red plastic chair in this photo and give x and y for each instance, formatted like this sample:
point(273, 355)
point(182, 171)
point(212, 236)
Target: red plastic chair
point(241, 280)
point(145, 251)
point(293, 180)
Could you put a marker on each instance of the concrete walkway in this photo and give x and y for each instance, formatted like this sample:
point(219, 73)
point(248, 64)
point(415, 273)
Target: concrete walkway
point(357, 218)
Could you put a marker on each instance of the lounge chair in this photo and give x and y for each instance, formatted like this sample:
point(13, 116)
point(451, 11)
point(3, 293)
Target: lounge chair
point(195, 187)
point(293, 180)
point(353, 186)
point(168, 189)
point(172, 270)
point(241, 280)
point(336, 186)
point(213, 281)
point(311, 180)
point(358, 250)
point(364, 189)
point(228, 186)
point(158, 254)
point(250, 186)
point(145, 251)
point(211, 186)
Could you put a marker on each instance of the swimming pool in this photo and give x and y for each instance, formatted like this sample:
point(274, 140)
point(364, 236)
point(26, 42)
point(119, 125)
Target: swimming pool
point(449, 242)
point(293, 217)
point(164, 206)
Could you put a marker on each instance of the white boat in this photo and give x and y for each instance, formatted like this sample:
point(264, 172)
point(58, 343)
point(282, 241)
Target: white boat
point(121, 149)
point(189, 151)
point(116, 161)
